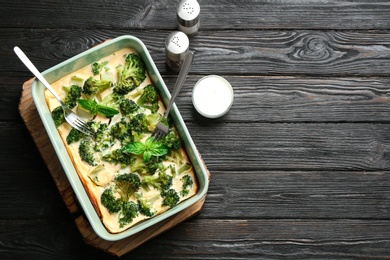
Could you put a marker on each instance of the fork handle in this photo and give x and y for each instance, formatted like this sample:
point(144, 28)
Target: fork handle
point(35, 71)
point(180, 80)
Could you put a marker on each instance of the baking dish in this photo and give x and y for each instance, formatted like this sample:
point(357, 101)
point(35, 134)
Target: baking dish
point(79, 61)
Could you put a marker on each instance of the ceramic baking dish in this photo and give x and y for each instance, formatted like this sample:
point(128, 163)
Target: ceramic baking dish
point(79, 61)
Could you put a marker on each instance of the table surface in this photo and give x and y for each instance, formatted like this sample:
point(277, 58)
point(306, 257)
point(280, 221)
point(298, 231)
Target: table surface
point(300, 164)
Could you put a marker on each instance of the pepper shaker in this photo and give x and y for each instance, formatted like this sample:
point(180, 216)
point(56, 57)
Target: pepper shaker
point(188, 16)
point(176, 47)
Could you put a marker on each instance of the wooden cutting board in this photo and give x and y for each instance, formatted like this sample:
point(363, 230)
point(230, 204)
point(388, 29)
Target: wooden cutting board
point(35, 126)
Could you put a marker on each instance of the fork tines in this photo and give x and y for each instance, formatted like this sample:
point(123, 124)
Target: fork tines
point(160, 131)
point(82, 126)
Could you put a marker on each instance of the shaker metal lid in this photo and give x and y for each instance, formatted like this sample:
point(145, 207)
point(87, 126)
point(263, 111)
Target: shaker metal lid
point(188, 12)
point(177, 42)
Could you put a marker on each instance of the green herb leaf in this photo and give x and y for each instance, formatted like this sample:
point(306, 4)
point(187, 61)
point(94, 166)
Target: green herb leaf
point(107, 111)
point(158, 149)
point(90, 105)
point(149, 149)
point(147, 156)
point(136, 148)
point(95, 108)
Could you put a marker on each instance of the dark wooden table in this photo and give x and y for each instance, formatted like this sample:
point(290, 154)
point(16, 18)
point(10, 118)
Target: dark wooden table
point(300, 165)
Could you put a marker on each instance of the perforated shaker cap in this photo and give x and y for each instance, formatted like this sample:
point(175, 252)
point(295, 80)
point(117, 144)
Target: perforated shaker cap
point(177, 43)
point(188, 12)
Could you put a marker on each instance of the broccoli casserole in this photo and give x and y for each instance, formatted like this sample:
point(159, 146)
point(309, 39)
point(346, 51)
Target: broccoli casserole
point(128, 176)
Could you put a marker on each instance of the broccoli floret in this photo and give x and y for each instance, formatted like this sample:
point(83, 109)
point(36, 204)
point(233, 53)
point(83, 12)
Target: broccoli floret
point(129, 212)
point(140, 167)
point(170, 198)
point(149, 98)
point(87, 152)
point(183, 168)
point(153, 120)
point(117, 101)
point(175, 156)
point(93, 125)
point(76, 80)
point(108, 200)
point(172, 141)
point(163, 181)
point(97, 67)
point(149, 167)
point(129, 209)
point(118, 156)
point(128, 106)
point(131, 75)
point(72, 94)
point(74, 136)
point(100, 176)
point(187, 184)
point(93, 86)
point(139, 123)
point(122, 131)
point(58, 116)
point(127, 184)
point(145, 205)
point(112, 100)
point(103, 138)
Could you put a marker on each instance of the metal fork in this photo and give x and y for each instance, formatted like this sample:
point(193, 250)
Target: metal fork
point(72, 118)
point(162, 128)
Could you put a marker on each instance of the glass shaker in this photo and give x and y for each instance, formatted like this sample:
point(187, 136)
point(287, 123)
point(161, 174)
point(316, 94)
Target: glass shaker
point(176, 47)
point(188, 17)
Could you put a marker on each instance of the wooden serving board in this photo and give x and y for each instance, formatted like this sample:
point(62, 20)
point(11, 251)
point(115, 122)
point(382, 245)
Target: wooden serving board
point(35, 126)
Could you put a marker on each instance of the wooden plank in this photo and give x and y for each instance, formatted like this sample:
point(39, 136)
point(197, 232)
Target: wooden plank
point(298, 195)
point(29, 193)
point(221, 14)
point(238, 146)
point(296, 100)
point(234, 238)
point(257, 52)
point(262, 146)
point(270, 99)
point(234, 194)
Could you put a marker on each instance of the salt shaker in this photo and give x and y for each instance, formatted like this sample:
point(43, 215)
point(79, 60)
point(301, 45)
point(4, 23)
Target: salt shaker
point(188, 16)
point(176, 47)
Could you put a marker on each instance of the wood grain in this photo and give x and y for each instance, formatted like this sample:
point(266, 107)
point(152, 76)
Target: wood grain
point(269, 238)
point(300, 163)
point(298, 195)
point(215, 14)
point(293, 146)
point(261, 146)
point(257, 52)
point(243, 194)
point(274, 99)
point(297, 100)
